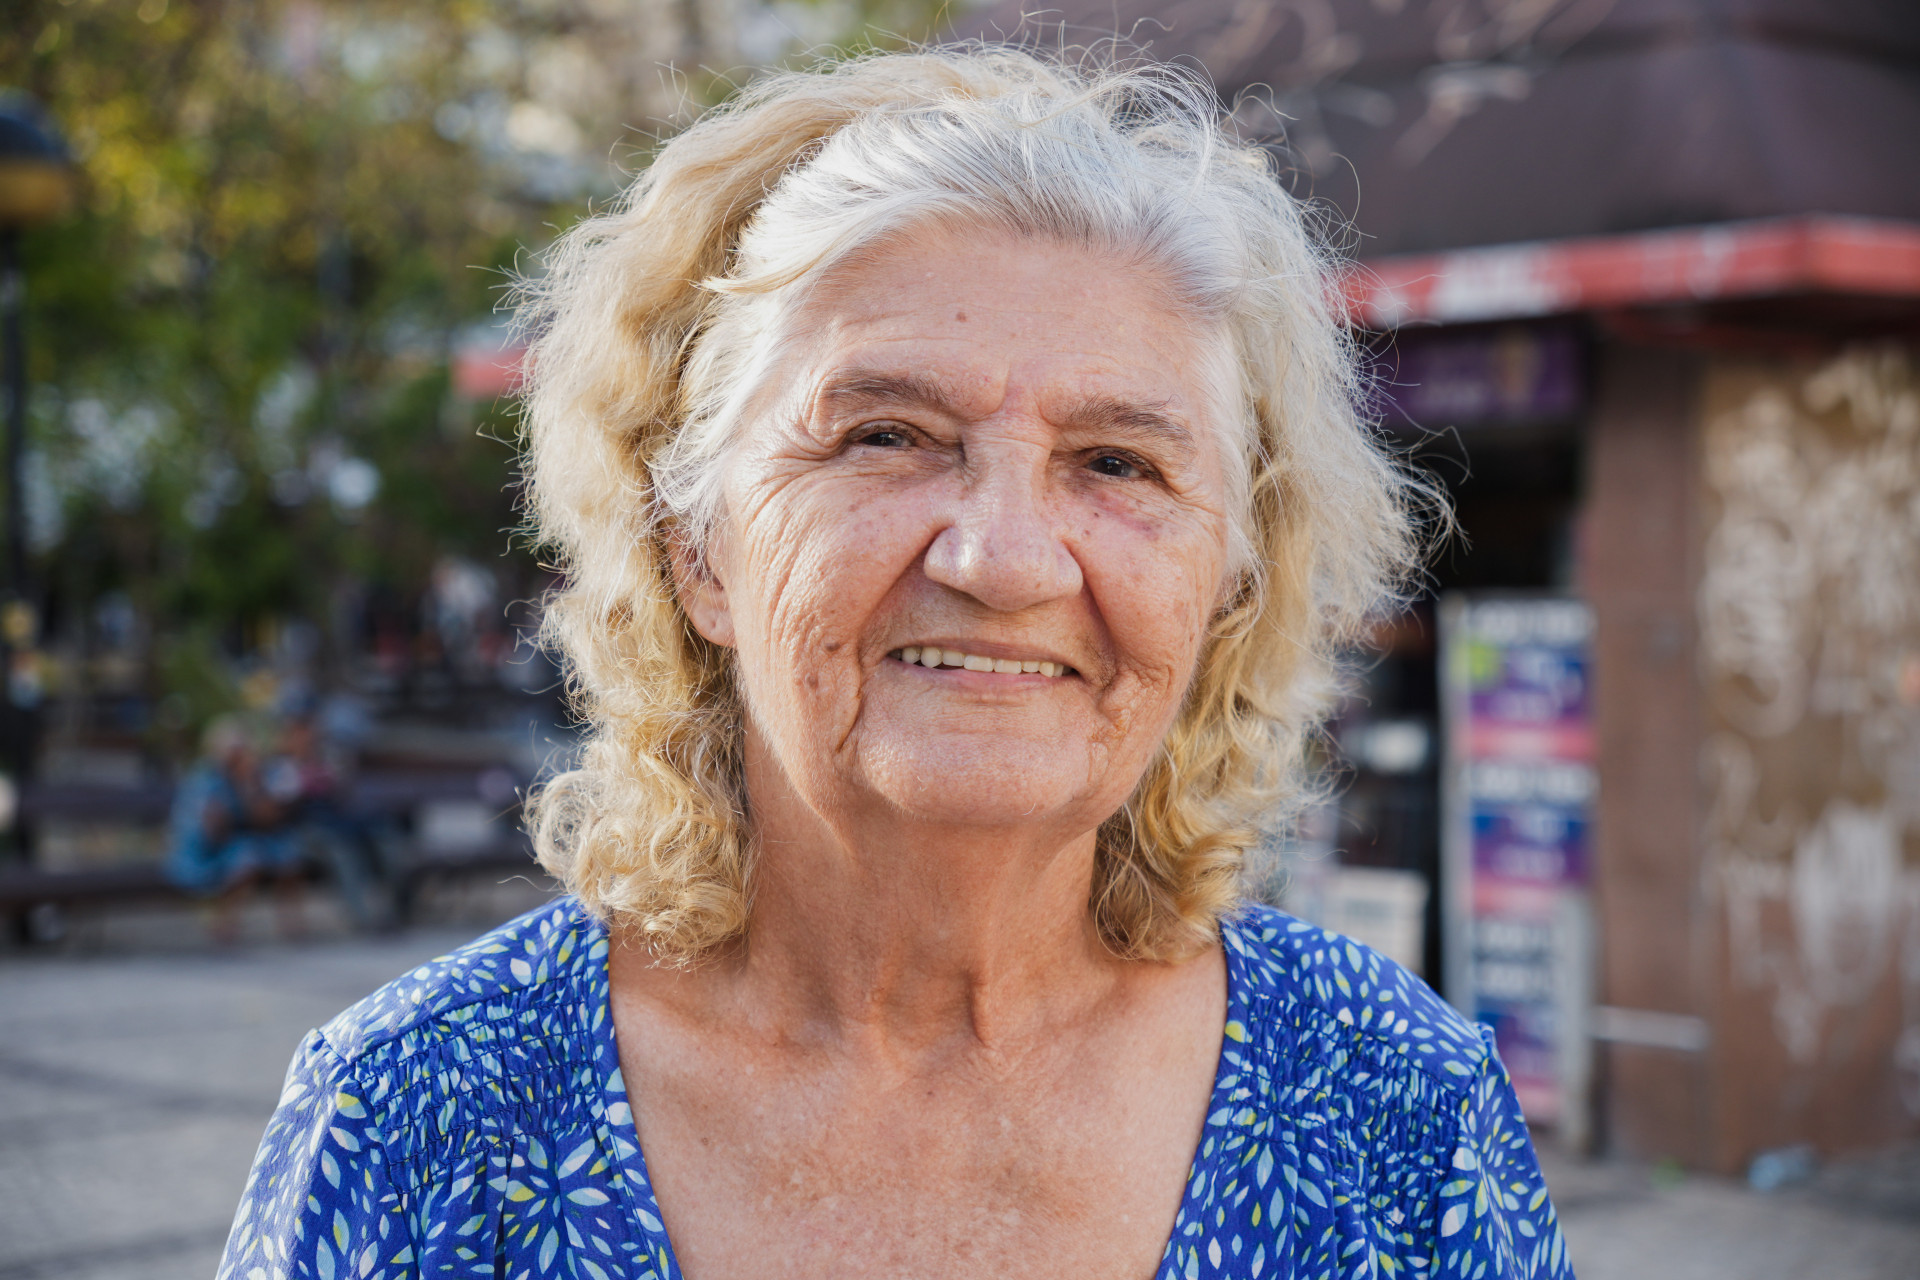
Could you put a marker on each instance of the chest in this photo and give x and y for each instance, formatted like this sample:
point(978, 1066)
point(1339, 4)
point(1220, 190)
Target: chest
point(959, 1174)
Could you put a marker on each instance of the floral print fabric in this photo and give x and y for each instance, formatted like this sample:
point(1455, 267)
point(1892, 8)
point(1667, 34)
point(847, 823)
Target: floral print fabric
point(470, 1120)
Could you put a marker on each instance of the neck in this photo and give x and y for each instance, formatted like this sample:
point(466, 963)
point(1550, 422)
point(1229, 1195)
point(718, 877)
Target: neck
point(908, 936)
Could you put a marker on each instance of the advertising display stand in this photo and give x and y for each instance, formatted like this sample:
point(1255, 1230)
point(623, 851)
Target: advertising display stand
point(1519, 789)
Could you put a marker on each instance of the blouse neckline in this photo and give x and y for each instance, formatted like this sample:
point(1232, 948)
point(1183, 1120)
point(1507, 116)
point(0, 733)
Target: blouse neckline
point(637, 1184)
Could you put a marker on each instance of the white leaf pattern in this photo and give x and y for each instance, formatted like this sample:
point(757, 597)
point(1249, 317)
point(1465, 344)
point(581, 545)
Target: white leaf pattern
point(418, 1133)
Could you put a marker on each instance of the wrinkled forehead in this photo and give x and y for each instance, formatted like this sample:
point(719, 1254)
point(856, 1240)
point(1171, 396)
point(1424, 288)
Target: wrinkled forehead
point(963, 318)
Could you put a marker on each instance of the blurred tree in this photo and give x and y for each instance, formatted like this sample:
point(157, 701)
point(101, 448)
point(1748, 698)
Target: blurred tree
point(296, 214)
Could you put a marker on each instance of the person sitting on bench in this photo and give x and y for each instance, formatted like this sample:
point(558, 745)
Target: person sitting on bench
point(228, 833)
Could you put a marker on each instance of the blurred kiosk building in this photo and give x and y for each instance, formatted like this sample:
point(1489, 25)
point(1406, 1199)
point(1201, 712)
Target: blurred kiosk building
point(1646, 280)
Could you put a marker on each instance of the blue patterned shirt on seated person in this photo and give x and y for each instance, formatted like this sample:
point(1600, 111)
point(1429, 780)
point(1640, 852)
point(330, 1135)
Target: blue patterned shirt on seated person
point(210, 848)
point(470, 1119)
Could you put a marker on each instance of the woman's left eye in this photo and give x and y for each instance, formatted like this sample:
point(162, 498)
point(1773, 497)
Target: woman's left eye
point(1116, 466)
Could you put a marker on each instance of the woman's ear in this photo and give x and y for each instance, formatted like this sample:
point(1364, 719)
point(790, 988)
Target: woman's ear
point(702, 594)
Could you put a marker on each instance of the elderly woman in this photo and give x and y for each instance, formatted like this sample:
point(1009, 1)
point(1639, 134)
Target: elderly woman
point(956, 467)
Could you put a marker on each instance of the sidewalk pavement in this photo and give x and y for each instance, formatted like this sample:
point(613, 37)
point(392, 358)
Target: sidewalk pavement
point(134, 1085)
point(1857, 1219)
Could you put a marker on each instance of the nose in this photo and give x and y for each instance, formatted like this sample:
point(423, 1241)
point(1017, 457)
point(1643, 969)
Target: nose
point(1003, 545)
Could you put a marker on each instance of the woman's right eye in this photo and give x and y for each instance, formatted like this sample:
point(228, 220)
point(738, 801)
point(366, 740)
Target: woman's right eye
point(882, 437)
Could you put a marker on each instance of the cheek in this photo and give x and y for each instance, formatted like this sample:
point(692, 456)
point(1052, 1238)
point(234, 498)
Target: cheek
point(1159, 635)
point(1156, 591)
point(1156, 581)
point(816, 563)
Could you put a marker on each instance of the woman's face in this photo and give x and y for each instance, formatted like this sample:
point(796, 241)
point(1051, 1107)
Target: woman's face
point(979, 445)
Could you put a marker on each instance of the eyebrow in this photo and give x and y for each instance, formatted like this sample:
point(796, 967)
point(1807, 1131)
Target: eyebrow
point(859, 388)
point(855, 388)
point(1111, 413)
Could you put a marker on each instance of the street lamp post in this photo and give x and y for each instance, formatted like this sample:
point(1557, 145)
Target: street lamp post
point(13, 290)
point(36, 186)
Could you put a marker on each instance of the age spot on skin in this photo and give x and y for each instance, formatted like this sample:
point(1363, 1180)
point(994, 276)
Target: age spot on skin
point(961, 316)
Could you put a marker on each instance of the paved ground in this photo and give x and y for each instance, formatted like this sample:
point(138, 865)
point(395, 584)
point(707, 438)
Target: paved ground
point(137, 1068)
point(1859, 1220)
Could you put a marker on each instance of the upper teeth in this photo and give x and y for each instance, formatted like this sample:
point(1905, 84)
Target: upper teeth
point(932, 656)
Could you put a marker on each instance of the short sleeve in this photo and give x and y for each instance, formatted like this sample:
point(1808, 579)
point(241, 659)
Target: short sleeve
point(319, 1203)
point(1493, 1219)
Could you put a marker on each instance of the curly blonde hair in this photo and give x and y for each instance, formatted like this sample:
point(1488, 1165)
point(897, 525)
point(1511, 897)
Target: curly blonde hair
point(655, 320)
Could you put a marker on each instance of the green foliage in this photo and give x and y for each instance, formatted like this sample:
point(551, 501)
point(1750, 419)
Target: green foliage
point(199, 682)
point(292, 211)
point(276, 251)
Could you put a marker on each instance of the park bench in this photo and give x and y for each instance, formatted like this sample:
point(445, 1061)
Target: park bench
point(25, 890)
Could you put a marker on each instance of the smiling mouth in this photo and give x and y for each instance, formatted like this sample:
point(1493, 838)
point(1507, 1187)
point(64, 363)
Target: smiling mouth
point(934, 656)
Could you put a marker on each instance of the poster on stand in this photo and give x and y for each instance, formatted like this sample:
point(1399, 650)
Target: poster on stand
point(1518, 811)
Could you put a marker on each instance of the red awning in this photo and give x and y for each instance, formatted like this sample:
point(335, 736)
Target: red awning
point(1737, 261)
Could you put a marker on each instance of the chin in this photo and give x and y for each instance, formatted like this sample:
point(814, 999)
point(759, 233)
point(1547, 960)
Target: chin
point(988, 782)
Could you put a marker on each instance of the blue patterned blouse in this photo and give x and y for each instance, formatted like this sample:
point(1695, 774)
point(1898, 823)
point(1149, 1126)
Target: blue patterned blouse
point(470, 1120)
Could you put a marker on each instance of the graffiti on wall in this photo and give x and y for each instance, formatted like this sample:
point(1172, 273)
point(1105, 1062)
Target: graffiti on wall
point(1809, 610)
